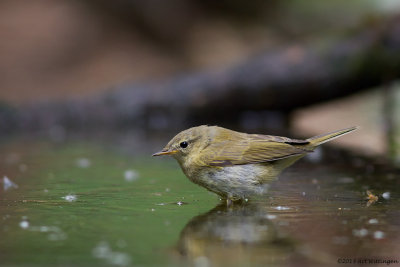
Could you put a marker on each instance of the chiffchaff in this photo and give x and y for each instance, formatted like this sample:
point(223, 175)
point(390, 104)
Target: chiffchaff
point(237, 165)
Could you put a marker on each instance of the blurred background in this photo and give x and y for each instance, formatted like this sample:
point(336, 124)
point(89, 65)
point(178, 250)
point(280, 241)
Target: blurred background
point(271, 66)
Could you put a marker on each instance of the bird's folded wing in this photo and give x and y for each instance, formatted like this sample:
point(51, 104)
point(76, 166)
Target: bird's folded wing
point(249, 151)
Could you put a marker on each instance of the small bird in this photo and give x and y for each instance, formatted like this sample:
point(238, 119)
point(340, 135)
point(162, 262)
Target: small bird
point(237, 165)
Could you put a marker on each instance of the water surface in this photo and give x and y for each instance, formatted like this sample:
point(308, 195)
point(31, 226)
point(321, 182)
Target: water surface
point(92, 203)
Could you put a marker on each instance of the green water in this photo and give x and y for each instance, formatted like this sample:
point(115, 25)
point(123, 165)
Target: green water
point(85, 203)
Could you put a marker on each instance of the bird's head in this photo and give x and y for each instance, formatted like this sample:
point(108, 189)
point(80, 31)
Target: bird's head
point(187, 143)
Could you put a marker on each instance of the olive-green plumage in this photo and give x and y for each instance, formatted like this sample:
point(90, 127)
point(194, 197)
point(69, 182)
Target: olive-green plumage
point(237, 165)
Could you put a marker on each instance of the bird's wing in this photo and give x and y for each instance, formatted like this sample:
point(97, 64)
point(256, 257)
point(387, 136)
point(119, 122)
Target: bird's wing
point(252, 149)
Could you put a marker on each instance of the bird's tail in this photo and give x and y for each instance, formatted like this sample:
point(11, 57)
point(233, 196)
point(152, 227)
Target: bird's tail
point(323, 138)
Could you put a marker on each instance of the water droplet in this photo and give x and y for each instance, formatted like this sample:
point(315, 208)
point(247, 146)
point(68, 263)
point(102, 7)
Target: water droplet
point(83, 163)
point(104, 251)
point(24, 224)
point(379, 234)
point(101, 251)
point(360, 232)
point(131, 175)
point(7, 183)
point(70, 198)
point(56, 236)
point(386, 195)
point(119, 258)
point(281, 208)
point(372, 221)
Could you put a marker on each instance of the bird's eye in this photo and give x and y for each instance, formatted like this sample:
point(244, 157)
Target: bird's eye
point(183, 144)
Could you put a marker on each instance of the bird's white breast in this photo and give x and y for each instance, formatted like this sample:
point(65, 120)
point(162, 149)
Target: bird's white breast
point(238, 181)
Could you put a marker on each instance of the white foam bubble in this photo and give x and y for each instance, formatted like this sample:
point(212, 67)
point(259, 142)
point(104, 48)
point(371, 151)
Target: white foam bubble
point(131, 175)
point(379, 234)
point(7, 184)
point(386, 195)
point(24, 224)
point(373, 221)
point(360, 232)
point(282, 208)
point(70, 198)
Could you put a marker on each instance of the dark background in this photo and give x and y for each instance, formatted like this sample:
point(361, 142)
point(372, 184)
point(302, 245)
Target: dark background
point(166, 65)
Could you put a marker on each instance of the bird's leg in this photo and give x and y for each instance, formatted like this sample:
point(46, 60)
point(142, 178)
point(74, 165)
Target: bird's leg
point(229, 200)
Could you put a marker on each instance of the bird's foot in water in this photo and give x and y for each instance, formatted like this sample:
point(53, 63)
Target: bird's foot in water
point(231, 201)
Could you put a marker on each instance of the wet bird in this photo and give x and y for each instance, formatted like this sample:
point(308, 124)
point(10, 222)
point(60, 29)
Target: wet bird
point(237, 165)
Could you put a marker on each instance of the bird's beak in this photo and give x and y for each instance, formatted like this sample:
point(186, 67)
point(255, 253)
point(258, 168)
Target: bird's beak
point(165, 152)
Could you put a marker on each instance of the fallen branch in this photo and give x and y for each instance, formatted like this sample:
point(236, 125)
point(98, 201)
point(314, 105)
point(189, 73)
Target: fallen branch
point(295, 76)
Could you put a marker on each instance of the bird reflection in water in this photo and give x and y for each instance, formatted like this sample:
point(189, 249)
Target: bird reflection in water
point(235, 236)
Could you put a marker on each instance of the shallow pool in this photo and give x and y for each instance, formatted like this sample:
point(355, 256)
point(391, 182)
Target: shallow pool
point(90, 203)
